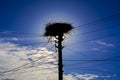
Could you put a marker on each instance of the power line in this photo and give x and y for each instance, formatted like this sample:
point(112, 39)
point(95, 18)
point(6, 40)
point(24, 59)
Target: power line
point(92, 70)
point(88, 61)
point(101, 37)
point(18, 68)
point(23, 36)
point(79, 63)
point(72, 66)
point(96, 30)
point(94, 60)
point(97, 60)
point(91, 60)
point(12, 34)
point(79, 53)
point(40, 68)
point(98, 20)
point(21, 67)
point(21, 33)
point(37, 43)
point(103, 63)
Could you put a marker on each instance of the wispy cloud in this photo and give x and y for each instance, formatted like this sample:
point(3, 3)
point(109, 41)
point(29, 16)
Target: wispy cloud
point(15, 39)
point(102, 46)
point(95, 49)
point(104, 43)
point(5, 32)
point(87, 76)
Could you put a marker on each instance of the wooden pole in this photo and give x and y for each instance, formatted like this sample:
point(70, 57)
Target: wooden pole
point(60, 64)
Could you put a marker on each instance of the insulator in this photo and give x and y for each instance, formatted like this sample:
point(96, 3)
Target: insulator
point(56, 46)
point(62, 47)
point(56, 41)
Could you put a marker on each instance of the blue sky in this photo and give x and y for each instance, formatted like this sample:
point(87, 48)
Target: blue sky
point(96, 34)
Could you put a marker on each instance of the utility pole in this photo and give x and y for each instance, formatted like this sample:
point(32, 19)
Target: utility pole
point(58, 30)
point(60, 64)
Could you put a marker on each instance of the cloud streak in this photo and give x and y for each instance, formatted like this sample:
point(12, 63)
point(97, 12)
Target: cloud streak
point(104, 43)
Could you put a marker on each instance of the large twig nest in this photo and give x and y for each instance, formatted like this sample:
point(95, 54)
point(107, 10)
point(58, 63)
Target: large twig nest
point(56, 29)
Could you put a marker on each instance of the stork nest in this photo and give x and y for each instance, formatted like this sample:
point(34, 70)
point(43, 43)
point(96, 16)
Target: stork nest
point(56, 29)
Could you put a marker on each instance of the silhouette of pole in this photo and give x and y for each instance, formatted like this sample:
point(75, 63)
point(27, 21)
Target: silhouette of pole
point(58, 30)
point(60, 64)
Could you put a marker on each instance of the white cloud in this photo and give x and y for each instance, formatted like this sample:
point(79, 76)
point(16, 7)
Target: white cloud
point(37, 64)
point(102, 46)
point(95, 49)
point(9, 39)
point(104, 43)
point(6, 32)
point(15, 39)
point(87, 76)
